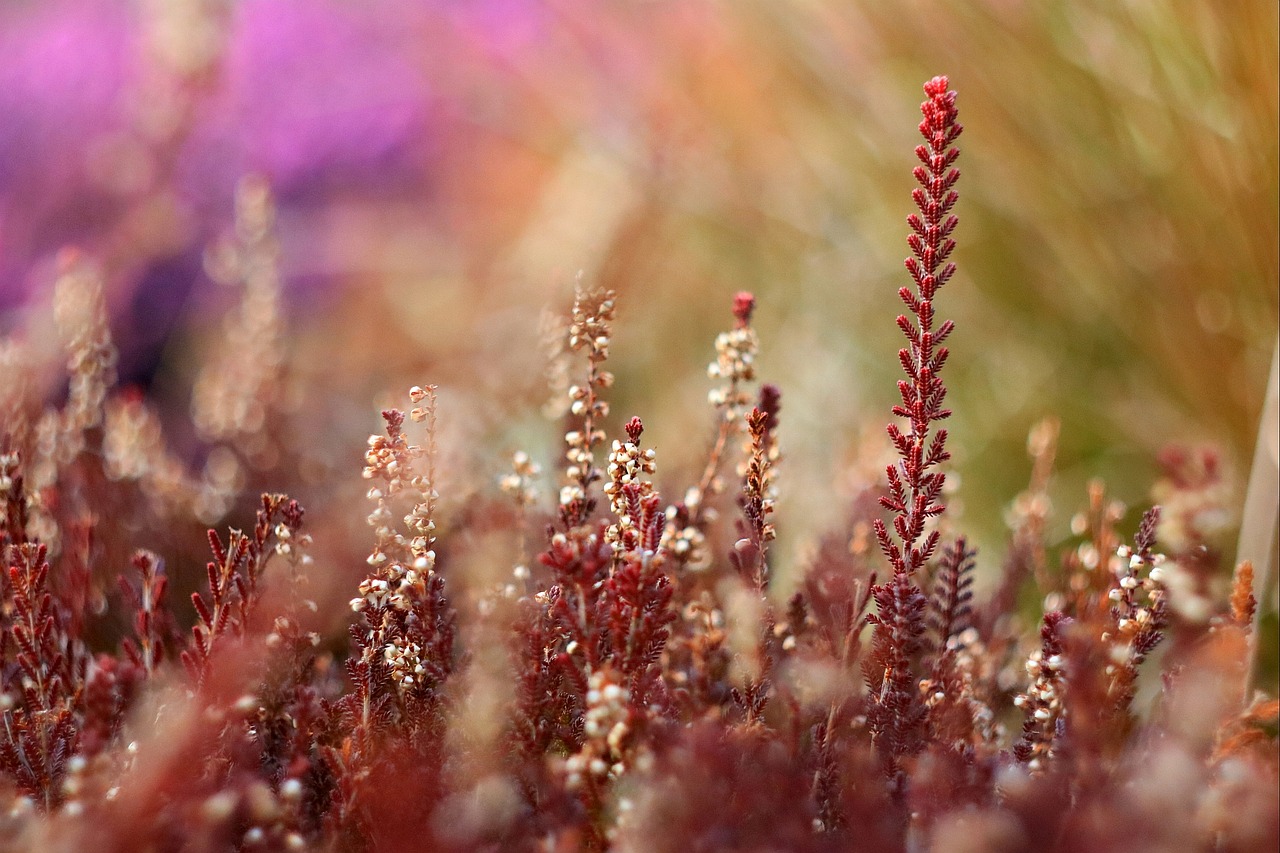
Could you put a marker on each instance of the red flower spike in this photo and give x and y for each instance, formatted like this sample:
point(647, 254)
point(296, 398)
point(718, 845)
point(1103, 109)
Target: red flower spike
point(914, 488)
point(897, 716)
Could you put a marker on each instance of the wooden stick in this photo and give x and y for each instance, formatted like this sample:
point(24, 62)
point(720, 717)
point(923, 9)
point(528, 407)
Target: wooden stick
point(1259, 540)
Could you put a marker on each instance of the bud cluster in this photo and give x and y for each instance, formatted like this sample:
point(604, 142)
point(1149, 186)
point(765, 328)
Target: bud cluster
point(589, 332)
point(521, 484)
point(627, 486)
point(735, 360)
point(606, 727)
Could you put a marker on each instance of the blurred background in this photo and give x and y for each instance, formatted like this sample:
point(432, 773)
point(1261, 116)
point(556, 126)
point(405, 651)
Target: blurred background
point(443, 171)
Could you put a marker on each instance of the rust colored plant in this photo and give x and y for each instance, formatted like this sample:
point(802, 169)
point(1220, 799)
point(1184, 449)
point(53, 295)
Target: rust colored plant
point(641, 676)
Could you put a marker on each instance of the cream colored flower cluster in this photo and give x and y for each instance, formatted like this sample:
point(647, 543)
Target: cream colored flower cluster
point(401, 561)
point(81, 317)
point(589, 332)
point(521, 483)
point(405, 662)
point(240, 384)
point(686, 542)
point(1044, 701)
point(606, 727)
point(1139, 605)
point(593, 312)
point(735, 364)
point(628, 465)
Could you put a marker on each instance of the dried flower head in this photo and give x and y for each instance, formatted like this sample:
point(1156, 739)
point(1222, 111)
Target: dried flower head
point(589, 333)
point(238, 387)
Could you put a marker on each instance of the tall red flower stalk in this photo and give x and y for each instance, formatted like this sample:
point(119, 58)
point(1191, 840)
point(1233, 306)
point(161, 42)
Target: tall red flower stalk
point(914, 488)
point(897, 716)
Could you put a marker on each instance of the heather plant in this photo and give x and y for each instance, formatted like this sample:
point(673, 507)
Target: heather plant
point(647, 681)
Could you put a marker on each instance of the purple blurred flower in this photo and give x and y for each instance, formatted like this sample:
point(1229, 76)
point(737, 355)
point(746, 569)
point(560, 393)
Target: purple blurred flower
point(62, 68)
point(316, 95)
point(321, 97)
